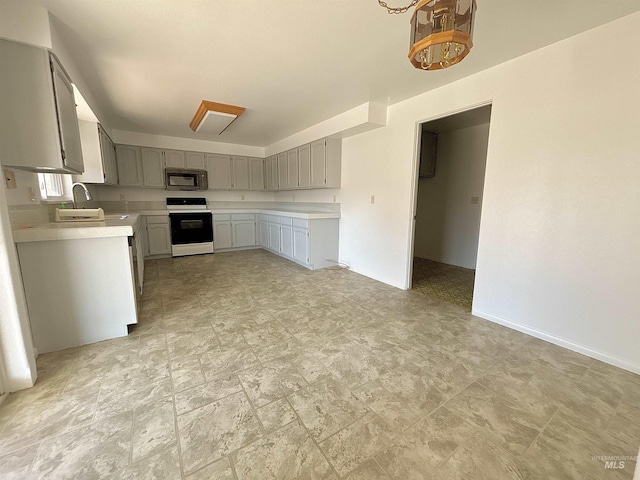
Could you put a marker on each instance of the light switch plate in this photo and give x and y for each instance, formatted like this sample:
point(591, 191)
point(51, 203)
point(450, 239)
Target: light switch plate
point(10, 179)
point(475, 200)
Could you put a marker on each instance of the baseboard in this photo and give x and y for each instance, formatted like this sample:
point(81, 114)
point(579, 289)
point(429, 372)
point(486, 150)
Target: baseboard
point(589, 352)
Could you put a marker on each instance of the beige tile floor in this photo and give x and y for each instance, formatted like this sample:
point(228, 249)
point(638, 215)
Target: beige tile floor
point(246, 366)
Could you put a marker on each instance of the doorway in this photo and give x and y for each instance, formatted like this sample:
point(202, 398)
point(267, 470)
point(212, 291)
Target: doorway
point(451, 164)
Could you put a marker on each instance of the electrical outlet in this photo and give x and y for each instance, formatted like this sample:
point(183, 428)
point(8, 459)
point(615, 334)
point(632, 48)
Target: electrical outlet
point(122, 197)
point(241, 197)
point(475, 200)
point(334, 198)
point(373, 199)
point(32, 194)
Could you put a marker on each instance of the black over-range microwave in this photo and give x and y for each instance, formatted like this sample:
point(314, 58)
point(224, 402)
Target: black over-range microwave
point(186, 179)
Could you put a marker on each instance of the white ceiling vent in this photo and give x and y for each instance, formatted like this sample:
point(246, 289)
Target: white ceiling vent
point(214, 118)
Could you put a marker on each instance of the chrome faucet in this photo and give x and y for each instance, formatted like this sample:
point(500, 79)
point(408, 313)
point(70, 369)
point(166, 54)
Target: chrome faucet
point(87, 194)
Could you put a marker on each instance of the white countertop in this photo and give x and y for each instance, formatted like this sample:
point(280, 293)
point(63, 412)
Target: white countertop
point(112, 226)
point(309, 215)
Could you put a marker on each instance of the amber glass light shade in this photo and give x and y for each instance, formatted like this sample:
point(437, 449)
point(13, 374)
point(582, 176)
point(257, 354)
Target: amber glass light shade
point(441, 33)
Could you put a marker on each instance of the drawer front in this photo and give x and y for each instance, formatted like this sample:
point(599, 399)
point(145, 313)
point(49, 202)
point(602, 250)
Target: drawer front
point(274, 219)
point(243, 216)
point(157, 219)
point(301, 223)
point(286, 221)
point(263, 218)
point(222, 217)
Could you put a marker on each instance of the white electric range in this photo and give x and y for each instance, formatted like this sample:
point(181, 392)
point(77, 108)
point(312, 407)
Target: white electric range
point(191, 224)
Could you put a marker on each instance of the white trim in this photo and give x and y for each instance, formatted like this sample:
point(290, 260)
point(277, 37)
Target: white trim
point(611, 360)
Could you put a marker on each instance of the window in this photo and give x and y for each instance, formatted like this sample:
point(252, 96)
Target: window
point(54, 187)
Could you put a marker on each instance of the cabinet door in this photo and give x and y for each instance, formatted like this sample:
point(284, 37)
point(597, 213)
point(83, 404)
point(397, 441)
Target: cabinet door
point(301, 245)
point(304, 166)
point(174, 158)
point(274, 237)
point(222, 235)
point(67, 118)
point(274, 173)
point(292, 168)
point(112, 178)
point(194, 160)
point(264, 234)
point(240, 173)
point(152, 167)
point(219, 172)
point(159, 238)
point(244, 234)
point(256, 174)
point(268, 186)
point(108, 158)
point(286, 240)
point(283, 179)
point(129, 166)
point(318, 163)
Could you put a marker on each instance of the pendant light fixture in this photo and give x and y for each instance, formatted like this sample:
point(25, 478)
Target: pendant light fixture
point(441, 31)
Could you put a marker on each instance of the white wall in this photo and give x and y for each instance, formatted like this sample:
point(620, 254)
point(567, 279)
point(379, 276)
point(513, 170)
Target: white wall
point(558, 254)
point(17, 359)
point(448, 224)
point(106, 193)
point(24, 22)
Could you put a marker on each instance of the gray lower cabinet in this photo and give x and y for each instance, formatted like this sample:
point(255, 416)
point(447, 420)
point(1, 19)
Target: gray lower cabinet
point(301, 245)
point(234, 231)
point(158, 235)
point(286, 240)
point(221, 234)
point(264, 232)
point(311, 243)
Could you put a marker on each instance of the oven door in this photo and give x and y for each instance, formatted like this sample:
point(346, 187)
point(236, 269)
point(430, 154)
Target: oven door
point(191, 228)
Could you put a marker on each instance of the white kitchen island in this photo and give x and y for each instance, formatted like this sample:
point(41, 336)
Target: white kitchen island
point(80, 281)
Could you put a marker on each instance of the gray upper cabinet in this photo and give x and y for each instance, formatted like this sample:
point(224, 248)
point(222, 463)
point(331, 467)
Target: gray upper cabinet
point(256, 174)
point(152, 167)
point(270, 174)
point(304, 166)
point(108, 150)
point(37, 101)
point(98, 155)
point(234, 173)
point(240, 173)
point(219, 172)
point(194, 160)
point(314, 165)
point(129, 161)
point(283, 178)
point(292, 168)
point(174, 159)
point(318, 163)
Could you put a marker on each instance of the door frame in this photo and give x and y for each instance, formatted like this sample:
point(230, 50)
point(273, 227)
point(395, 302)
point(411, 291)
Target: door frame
point(416, 177)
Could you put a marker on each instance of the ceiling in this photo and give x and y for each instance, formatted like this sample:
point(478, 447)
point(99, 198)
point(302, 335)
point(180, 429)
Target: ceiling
point(290, 63)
